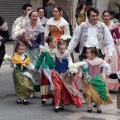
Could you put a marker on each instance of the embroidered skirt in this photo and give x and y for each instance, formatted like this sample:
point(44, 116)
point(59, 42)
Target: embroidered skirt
point(92, 96)
point(23, 85)
point(64, 92)
point(45, 87)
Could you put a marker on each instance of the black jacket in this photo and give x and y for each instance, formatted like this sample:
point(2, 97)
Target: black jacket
point(5, 36)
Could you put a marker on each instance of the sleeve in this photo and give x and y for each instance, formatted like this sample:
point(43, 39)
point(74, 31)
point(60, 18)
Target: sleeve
point(117, 33)
point(69, 59)
point(108, 41)
point(75, 40)
point(107, 67)
point(13, 28)
point(66, 30)
point(47, 30)
point(41, 44)
point(30, 66)
point(39, 61)
point(5, 37)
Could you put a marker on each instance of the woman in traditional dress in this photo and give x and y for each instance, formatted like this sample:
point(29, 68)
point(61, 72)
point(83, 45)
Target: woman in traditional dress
point(57, 25)
point(93, 84)
point(34, 39)
point(4, 36)
point(43, 19)
point(115, 65)
point(65, 88)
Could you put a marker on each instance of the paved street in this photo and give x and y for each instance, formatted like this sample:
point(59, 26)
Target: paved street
point(9, 110)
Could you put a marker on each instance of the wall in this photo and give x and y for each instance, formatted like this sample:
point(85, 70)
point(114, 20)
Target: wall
point(36, 4)
point(102, 5)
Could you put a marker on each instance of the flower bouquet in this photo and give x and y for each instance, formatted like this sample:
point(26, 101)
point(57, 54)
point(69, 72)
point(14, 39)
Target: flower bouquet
point(73, 67)
point(66, 38)
point(8, 58)
point(20, 32)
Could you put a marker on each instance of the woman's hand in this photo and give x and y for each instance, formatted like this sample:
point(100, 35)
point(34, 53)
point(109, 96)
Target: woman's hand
point(107, 76)
point(26, 38)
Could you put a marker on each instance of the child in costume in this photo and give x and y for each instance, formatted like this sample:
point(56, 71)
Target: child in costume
point(93, 84)
point(23, 81)
point(65, 88)
point(48, 53)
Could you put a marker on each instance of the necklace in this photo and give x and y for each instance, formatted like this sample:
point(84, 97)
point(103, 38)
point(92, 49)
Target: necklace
point(33, 25)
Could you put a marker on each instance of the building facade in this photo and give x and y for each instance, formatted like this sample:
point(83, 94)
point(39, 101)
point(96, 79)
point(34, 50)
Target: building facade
point(11, 9)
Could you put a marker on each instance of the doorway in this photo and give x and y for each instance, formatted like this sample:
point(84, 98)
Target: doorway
point(44, 3)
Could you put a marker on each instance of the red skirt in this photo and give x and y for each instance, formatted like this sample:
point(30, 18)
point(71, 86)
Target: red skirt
point(61, 93)
point(45, 87)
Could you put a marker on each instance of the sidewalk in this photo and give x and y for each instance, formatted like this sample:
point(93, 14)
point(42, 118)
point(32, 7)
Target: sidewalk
point(36, 111)
point(9, 50)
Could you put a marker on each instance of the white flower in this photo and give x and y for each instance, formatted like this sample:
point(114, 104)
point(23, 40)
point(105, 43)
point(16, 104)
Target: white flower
point(73, 67)
point(20, 24)
point(17, 27)
point(7, 58)
point(65, 37)
point(73, 70)
point(21, 31)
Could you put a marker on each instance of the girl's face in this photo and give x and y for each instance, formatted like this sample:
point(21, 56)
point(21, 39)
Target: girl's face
point(41, 13)
point(34, 17)
point(56, 13)
point(106, 17)
point(89, 54)
point(54, 43)
point(21, 50)
point(62, 48)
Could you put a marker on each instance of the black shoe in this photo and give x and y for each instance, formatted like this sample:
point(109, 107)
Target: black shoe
point(119, 80)
point(95, 105)
point(43, 102)
point(99, 111)
point(61, 107)
point(18, 101)
point(53, 102)
point(25, 102)
point(113, 76)
point(56, 109)
point(89, 109)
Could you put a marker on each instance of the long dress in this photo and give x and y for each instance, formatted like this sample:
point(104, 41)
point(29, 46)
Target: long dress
point(95, 90)
point(65, 88)
point(113, 84)
point(36, 35)
point(46, 85)
point(23, 81)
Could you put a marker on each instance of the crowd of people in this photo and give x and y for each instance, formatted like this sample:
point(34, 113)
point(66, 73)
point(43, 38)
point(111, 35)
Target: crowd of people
point(42, 57)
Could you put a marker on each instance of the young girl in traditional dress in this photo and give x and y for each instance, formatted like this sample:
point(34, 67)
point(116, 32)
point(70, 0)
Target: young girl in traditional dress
point(48, 54)
point(23, 81)
point(65, 88)
point(93, 84)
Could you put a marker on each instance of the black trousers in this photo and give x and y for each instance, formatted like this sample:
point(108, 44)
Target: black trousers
point(83, 55)
point(1, 63)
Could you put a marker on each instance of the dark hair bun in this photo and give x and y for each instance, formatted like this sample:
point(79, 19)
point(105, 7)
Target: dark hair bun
point(1, 21)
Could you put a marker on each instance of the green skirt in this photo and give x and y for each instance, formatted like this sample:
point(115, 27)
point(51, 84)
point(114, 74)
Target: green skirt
point(23, 85)
point(33, 55)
